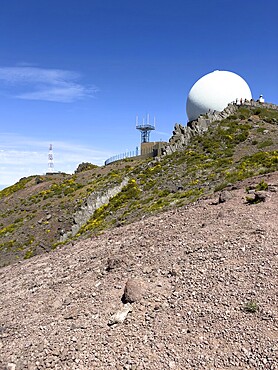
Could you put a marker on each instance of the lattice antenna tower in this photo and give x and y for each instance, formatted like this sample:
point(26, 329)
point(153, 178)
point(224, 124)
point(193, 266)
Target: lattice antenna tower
point(145, 128)
point(50, 159)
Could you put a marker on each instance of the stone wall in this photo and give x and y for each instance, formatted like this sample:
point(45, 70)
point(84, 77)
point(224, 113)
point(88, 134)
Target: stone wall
point(183, 134)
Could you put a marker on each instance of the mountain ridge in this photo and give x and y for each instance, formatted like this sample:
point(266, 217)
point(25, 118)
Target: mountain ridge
point(38, 212)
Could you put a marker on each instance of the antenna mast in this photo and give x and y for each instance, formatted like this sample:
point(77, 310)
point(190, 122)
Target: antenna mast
point(145, 128)
point(50, 159)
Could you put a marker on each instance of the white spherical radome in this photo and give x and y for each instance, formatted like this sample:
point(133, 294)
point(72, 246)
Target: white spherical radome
point(214, 91)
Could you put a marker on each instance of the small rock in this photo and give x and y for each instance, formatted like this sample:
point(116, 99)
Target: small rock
point(260, 196)
point(133, 291)
point(220, 214)
point(113, 263)
point(67, 301)
point(224, 196)
point(256, 197)
point(57, 303)
point(11, 366)
point(120, 315)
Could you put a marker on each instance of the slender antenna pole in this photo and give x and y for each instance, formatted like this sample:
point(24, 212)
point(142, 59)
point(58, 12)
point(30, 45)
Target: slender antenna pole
point(50, 159)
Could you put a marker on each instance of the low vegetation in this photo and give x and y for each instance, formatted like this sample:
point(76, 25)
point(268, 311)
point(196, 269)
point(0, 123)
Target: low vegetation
point(251, 307)
point(16, 187)
point(240, 146)
point(85, 166)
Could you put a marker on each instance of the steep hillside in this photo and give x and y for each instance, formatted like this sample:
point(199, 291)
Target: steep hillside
point(39, 212)
point(199, 285)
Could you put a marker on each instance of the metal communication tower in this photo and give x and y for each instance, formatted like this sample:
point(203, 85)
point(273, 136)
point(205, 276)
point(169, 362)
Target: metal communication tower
point(145, 128)
point(50, 159)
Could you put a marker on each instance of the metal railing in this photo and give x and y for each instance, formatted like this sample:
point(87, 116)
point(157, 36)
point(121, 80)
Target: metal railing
point(134, 153)
point(118, 157)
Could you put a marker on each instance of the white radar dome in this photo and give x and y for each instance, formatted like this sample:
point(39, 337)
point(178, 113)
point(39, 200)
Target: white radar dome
point(214, 91)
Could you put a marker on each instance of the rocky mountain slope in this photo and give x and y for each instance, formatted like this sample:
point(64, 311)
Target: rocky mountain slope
point(39, 212)
point(198, 282)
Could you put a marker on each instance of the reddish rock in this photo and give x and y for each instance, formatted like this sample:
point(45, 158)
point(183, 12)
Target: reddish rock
point(133, 291)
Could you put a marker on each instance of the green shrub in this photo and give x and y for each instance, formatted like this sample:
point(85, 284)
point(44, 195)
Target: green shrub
point(64, 188)
point(269, 115)
point(85, 166)
point(221, 186)
point(243, 113)
point(7, 245)
point(14, 188)
point(262, 185)
point(265, 143)
point(8, 229)
point(251, 306)
point(195, 193)
point(163, 193)
point(29, 253)
point(252, 200)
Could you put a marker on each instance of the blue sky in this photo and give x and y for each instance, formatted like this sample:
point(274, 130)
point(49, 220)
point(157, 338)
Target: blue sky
point(76, 73)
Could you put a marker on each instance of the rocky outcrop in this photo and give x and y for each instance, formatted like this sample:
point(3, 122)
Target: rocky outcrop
point(182, 135)
point(93, 202)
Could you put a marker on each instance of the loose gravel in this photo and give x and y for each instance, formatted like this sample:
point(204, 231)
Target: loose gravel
point(208, 293)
